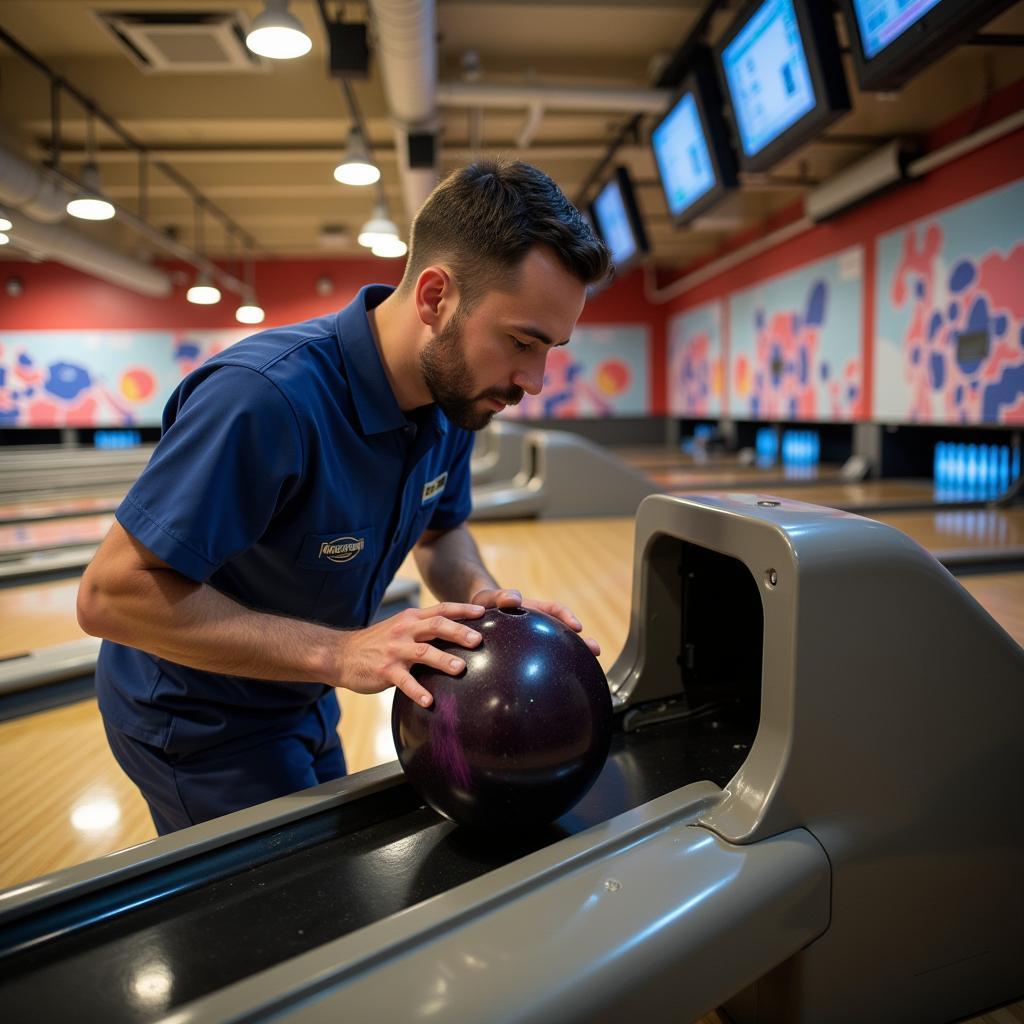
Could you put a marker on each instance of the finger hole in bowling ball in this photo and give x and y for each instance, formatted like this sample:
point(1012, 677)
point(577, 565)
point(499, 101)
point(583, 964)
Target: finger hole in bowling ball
point(519, 738)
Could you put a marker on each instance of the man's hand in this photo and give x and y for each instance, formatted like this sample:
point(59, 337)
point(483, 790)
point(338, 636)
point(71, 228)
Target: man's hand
point(514, 599)
point(371, 660)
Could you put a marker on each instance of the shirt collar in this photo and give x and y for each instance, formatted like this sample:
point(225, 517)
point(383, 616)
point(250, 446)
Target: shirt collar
point(375, 402)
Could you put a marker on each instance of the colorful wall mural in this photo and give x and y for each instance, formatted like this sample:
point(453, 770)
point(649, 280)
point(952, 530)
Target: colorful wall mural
point(795, 343)
point(98, 378)
point(696, 362)
point(949, 314)
point(603, 371)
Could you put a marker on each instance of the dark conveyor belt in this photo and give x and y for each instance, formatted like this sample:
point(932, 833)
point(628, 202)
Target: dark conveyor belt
point(222, 916)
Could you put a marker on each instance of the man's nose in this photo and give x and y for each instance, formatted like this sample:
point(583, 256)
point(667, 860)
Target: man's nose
point(531, 376)
point(531, 381)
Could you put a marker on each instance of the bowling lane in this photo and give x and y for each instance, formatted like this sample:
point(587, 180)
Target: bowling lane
point(949, 529)
point(677, 470)
point(655, 458)
point(1002, 596)
point(740, 477)
point(19, 538)
point(867, 492)
point(61, 507)
point(37, 615)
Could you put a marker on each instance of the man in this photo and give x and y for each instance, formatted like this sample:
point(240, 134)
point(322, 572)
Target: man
point(295, 472)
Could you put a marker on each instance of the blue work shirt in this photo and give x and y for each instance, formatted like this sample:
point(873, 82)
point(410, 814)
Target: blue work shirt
point(288, 478)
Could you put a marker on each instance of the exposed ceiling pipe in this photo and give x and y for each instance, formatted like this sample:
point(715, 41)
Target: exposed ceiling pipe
point(59, 242)
point(25, 188)
point(406, 48)
point(552, 97)
point(40, 203)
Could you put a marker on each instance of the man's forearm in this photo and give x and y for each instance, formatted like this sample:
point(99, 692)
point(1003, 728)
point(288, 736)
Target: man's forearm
point(166, 614)
point(451, 566)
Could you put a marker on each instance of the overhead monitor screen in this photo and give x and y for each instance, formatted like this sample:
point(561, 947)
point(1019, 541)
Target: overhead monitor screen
point(766, 70)
point(883, 21)
point(684, 160)
point(614, 224)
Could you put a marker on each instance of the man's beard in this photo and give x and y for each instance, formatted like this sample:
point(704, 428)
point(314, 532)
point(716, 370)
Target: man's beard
point(447, 376)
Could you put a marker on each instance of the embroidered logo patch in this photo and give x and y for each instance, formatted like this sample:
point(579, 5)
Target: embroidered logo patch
point(434, 488)
point(342, 549)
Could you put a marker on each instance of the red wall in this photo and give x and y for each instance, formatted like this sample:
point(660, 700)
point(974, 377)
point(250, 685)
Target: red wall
point(60, 298)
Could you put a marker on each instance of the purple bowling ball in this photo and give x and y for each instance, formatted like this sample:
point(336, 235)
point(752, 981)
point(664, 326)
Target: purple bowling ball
point(516, 739)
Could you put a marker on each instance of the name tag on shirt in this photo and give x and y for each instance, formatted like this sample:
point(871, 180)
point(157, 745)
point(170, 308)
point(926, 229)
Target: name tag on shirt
point(433, 488)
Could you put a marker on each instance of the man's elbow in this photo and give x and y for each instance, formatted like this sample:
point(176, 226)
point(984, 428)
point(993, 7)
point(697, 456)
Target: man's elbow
point(93, 605)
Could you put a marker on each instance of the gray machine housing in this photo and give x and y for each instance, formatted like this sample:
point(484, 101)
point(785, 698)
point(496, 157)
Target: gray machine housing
point(497, 452)
point(561, 475)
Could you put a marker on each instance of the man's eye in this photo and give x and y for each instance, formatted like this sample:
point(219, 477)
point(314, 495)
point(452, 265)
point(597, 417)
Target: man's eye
point(520, 346)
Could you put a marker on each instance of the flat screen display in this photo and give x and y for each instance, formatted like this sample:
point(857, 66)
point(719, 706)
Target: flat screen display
point(767, 74)
point(684, 159)
point(614, 224)
point(881, 22)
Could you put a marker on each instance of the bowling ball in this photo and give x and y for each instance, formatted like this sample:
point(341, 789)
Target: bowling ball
point(516, 739)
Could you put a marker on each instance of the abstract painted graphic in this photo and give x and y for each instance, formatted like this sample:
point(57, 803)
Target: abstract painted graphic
point(602, 372)
point(950, 315)
point(796, 344)
point(696, 367)
point(97, 378)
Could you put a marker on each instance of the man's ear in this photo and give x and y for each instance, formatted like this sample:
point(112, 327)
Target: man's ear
point(434, 294)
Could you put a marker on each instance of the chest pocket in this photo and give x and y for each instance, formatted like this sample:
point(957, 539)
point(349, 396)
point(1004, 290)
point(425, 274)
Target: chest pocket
point(344, 561)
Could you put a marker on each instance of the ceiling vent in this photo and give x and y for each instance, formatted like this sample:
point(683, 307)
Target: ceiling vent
point(169, 42)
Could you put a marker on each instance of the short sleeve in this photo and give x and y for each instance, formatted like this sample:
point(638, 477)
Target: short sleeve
point(456, 503)
point(230, 456)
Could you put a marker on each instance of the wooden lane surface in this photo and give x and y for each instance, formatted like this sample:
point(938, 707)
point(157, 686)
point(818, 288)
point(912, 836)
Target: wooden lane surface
point(745, 477)
point(43, 508)
point(948, 529)
point(866, 492)
point(661, 457)
point(35, 616)
point(1002, 596)
point(54, 533)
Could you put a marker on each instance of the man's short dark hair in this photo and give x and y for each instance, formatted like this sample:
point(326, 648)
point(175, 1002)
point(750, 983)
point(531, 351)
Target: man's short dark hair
point(484, 218)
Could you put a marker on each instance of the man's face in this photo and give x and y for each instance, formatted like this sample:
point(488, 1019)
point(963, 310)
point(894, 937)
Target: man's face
point(481, 362)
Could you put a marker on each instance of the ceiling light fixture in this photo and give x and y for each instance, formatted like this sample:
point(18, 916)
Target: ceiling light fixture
point(250, 311)
point(204, 292)
point(390, 247)
point(357, 168)
point(277, 33)
point(89, 203)
point(380, 227)
point(5, 223)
